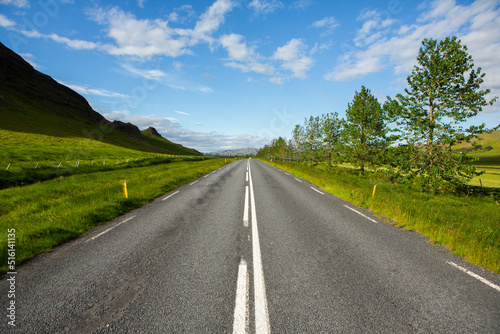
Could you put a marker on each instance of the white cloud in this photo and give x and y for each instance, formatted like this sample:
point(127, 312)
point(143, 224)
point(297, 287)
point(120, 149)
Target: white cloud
point(83, 90)
point(355, 69)
point(211, 20)
point(293, 58)
point(182, 112)
point(72, 43)
point(261, 68)
point(201, 141)
point(321, 47)
point(145, 38)
point(476, 24)
point(183, 14)
point(265, 6)
point(375, 25)
point(30, 58)
point(329, 22)
point(243, 57)
point(5, 22)
point(237, 49)
point(277, 80)
point(140, 3)
point(171, 80)
point(154, 74)
point(204, 89)
point(142, 38)
point(17, 3)
point(302, 4)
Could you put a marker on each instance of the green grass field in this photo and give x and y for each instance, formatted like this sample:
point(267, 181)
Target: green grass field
point(34, 157)
point(27, 149)
point(467, 225)
point(488, 154)
point(491, 177)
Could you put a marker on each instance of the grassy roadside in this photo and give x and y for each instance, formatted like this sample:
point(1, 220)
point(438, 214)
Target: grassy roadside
point(19, 176)
point(49, 213)
point(491, 177)
point(469, 226)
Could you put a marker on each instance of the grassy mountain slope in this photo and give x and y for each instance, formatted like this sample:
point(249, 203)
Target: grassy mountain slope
point(488, 152)
point(154, 138)
point(32, 102)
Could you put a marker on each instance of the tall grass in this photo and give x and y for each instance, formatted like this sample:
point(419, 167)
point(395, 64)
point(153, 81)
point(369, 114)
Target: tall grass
point(21, 176)
point(48, 213)
point(467, 225)
point(34, 157)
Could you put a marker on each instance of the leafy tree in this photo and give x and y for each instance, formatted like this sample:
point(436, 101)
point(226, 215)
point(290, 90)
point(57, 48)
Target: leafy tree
point(281, 148)
point(365, 130)
point(263, 153)
point(331, 128)
point(297, 142)
point(443, 92)
point(277, 149)
point(313, 142)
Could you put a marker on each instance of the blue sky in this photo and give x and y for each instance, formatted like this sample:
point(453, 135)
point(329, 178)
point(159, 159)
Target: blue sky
point(224, 74)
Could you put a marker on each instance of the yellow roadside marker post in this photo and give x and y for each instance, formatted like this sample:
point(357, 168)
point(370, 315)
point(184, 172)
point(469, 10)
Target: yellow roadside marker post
point(374, 189)
point(125, 189)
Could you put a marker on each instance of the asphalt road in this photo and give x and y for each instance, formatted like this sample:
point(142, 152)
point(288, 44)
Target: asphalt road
point(251, 249)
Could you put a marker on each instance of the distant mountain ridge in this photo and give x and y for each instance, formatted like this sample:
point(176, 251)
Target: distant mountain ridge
point(33, 102)
point(235, 153)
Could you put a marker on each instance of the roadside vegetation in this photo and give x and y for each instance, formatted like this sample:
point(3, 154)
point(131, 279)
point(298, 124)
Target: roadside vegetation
point(416, 149)
point(27, 158)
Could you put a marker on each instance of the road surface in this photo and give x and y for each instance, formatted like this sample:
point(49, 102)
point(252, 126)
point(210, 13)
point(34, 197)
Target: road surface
point(251, 249)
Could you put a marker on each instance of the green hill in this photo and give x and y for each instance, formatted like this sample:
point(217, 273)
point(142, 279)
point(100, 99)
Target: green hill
point(487, 148)
point(32, 102)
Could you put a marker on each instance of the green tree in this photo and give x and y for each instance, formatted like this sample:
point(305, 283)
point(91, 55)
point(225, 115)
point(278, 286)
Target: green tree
point(443, 92)
point(365, 130)
point(331, 128)
point(297, 142)
point(313, 141)
point(281, 148)
point(264, 153)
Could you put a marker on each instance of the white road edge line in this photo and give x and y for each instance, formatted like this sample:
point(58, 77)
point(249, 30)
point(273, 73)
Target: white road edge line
point(245, 210)
point(476, 276)
point(317, 190)
point(240, 324)
point(109, 229)
point(261, 312)
point(164, 199)
point(298, 180)
point(193, 183)
point(359, 213)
